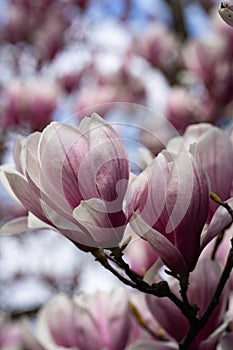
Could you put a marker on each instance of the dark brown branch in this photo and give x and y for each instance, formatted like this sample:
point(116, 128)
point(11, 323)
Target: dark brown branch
point(178, 18)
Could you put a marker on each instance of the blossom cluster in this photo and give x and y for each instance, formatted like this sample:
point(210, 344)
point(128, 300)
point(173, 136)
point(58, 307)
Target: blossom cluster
point(139, 178)
point(77, 180)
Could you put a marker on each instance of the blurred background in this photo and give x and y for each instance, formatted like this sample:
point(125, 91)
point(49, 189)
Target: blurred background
point(152, 66)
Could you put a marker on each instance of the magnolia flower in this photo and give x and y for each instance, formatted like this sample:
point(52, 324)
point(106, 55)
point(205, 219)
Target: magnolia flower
point(168, 206)
point(96, 322)
point(202, 284)
point(216, 156)
point(74, 180)
point(226, 12)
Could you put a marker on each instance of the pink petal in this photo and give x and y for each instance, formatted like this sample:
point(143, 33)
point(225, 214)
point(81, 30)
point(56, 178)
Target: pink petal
point(38, 183)
point(162, 246)
point(109, 161)
point(220, 221)
point(189, 213)
point(92, 214)
point(61, 150)
point(25, 194)
point(216, 155)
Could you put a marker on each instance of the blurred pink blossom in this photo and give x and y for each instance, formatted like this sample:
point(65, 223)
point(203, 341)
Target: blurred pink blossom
point(209, 60)
point(181, 108)
point(28, 104)
point(87, 322)
point(160, 47)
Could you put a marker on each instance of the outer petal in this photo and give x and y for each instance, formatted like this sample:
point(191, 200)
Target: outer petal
point(39, 184)
point(93, 215)
point(137, 193)
point(216, 155)
point(25, 194)
point(162, 246)
point(4, 169)
point(219, 222)
point(108, 160)
point(191, 206)
point(60, 159)
point(178, 196)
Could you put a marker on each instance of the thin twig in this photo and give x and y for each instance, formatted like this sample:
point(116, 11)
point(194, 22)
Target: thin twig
point(178, 18)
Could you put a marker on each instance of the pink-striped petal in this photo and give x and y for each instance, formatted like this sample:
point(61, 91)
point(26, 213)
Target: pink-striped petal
point(61, 150)
point(162, 246)
point(109, 161)
point(220, 221)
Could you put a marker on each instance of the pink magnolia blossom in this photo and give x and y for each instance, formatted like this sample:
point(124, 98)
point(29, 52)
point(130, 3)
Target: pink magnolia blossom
point(94, 322)
point(168, 205)
point(216, 156)
point(73, 179)
point(203, 282)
